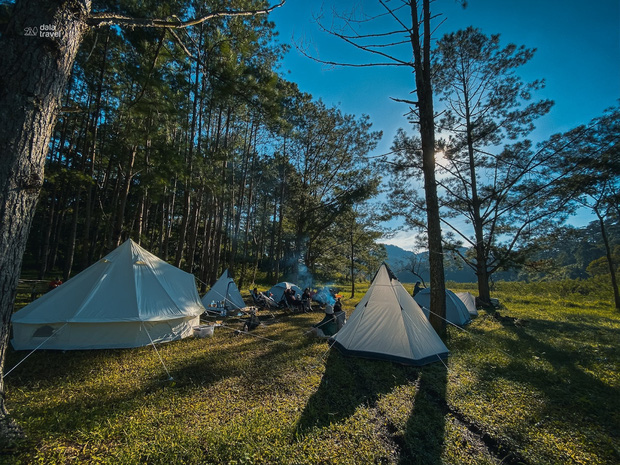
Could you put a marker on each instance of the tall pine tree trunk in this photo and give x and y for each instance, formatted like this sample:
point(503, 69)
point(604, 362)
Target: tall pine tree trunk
point(352, 245)
point(422, 65)
point(33, 76)
point(246, 233)
point(610, 262)
point(88, 204)
point(117, 233)
point(482, 273)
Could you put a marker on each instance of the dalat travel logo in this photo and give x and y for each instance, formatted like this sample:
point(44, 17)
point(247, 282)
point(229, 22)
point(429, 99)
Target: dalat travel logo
point(44, 30)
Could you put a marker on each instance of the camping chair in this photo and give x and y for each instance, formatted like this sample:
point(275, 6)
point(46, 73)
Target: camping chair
point(256, 299)
point(262, 301)
point(295, 305)
point(285, 305)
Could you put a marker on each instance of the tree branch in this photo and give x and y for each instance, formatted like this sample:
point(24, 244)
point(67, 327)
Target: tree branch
point(410, 102)
point(112, 19)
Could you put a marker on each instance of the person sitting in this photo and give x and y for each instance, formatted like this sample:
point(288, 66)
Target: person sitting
point(339, 315)
point(291, 300)
point(417, 288)
point(261, 299)
point(306, 300)
point(328, 325)
point(258, 297)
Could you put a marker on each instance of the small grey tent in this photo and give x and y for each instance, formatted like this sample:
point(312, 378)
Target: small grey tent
point(277, 291)
point(470, 302)
point(456, 312)
point(388, 324)
point(224, 294)
point(127, 299)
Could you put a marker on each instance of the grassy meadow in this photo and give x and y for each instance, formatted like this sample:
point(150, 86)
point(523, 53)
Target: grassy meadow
point(537, 382)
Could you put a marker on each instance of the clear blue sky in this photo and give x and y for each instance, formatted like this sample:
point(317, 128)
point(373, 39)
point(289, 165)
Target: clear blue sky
point(578, 55)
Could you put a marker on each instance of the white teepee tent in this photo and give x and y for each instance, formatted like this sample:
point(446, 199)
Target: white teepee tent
point(388, 324)
point(129, 298)
point(456, 311)
point(224, 290)
point(470, 302)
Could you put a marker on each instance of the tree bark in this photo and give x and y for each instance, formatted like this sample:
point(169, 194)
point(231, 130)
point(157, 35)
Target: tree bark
point(610, 262)
point(248, 215)
point(422, 66)
point(117, 234)
point(33, 75)
point(91, 162)
point(188, 181)
point(484, 292)
point(352, 245)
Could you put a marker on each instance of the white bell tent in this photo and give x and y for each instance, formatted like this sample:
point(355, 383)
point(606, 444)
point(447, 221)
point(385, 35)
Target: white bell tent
point(388, 324)
point(129, 298)
point(224, 290)
point(456, 311)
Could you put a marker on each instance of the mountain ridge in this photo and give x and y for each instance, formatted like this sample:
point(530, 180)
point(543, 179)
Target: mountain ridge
point(400, 261)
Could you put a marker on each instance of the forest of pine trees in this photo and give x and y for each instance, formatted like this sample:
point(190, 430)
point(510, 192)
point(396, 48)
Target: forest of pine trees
point(193, 145)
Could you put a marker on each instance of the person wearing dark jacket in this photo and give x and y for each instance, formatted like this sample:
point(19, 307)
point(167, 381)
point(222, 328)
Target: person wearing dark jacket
point(339, 315)
point(417, 288)
point(328, 325)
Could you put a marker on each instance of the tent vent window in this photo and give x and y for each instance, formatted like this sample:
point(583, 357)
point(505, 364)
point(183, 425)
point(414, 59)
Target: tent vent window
point(44, 331)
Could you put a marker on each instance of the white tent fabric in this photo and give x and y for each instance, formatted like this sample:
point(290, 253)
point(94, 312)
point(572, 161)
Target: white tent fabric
point(277, 291)
point(127, 299)
point(388, 324)
point(456, 312)
point(224, 290)
point(470, 302)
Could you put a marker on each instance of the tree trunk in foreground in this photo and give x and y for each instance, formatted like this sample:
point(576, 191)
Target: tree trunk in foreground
point(610, 261)
point(36, 56)
point(422, 66)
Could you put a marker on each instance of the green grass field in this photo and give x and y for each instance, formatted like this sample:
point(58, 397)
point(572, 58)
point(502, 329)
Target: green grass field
point(538, 382)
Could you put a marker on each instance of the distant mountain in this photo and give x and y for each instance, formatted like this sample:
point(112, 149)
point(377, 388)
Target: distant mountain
point(399, 260)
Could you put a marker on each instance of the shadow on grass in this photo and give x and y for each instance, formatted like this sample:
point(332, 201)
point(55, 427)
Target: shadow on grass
point(128, 376)
point(87, 388)
point(569, 385)
point(423, 440)
point(348, 383)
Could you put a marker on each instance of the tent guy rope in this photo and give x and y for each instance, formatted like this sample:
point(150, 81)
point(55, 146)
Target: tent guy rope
point(472, 335)
point(34, 350)
point(170, 378)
